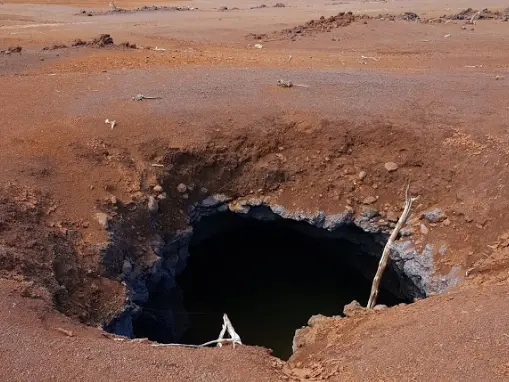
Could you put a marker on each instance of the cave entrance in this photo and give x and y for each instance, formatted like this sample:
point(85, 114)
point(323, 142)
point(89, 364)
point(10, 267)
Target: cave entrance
point(270, 277)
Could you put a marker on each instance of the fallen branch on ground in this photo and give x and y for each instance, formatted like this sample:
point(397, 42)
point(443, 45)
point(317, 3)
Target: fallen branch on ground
point(227, 327)
point(387, 249)
point(370, 58)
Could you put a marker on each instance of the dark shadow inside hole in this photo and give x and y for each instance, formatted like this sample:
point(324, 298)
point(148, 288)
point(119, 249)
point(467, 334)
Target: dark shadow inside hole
point(270, 277)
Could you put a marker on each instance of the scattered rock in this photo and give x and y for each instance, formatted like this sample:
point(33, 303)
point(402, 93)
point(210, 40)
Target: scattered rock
point(102, 40)
point(128, 45)
point(279, 5)
point(362, 175)
point(79, 42)
point(103, 219)
point(12, 49)
point(410, 16)
point(222, 8)
point(145, 8)
point(153, 205)
point(158, 188)
point(424, 230)
point(162, 196)
point(284, 84)
point(380, 307)
point(353, 309)
point(447, 222)
point(258, 46)
point(55, 47)
point(369, 213)
point(434, 216)
point(259, 6)
point(391, 166)
point(392, 217)
point(369, 200)
point(181, 188)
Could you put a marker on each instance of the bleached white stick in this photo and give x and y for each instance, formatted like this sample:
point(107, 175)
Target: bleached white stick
point(231, 331)
point(227, 326)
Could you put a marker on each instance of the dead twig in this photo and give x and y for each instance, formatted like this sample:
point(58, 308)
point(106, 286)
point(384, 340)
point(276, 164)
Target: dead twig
point(111, 123)
point(141, 97)
point(370, 58)
point(387, 249)
point(68, 333)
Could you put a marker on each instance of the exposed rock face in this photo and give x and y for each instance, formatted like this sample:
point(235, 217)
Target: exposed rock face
point(415, 270)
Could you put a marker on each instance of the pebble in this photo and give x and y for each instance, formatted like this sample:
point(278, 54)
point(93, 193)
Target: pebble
point(391, 166)
point(362, 175)
point(424, 229)
point(447, 222)
point(434, 216)
point(162, 196)
point(181, 188)
point(158, 188)
point(153, 206)
point(369, 200)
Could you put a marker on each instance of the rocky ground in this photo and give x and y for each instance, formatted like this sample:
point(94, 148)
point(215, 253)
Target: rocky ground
point(388, 95)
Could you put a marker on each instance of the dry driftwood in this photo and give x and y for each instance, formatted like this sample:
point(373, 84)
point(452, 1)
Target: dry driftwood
point(387, 249)
point(227, 327)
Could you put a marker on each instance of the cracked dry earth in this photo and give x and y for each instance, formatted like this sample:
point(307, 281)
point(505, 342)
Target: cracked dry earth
point(83, 205)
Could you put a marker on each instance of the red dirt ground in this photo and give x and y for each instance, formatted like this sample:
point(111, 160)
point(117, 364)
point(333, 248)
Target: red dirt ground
point(429, 96)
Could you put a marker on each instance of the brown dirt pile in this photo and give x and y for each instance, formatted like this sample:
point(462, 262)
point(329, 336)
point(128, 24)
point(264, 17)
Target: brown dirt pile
point(324, 24)
point(484, 14)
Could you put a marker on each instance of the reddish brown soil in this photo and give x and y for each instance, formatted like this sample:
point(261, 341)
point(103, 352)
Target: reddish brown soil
point(430, 97)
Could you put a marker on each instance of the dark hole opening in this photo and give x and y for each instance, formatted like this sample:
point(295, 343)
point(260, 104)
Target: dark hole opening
point(270, 277)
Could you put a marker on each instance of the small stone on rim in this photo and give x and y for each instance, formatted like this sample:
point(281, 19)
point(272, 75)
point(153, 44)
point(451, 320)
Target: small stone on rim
point(391, 166)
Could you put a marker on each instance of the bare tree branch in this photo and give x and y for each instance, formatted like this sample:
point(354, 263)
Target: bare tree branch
point(227, 326)
point(387, 249)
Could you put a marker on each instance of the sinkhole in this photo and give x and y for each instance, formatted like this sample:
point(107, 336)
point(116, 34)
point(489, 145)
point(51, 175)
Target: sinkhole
point(268, 273)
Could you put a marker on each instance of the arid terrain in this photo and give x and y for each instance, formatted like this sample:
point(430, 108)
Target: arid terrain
point(393, 93)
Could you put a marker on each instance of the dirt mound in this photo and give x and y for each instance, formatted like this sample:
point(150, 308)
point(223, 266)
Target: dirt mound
point(327, 24)
point(101, 41)
point(145, 8)
point(457, 336)
point(485, 14)
point(324, 24)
